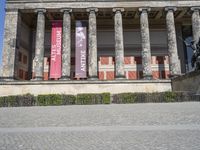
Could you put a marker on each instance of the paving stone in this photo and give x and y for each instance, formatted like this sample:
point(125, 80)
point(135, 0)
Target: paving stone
point(173, 126)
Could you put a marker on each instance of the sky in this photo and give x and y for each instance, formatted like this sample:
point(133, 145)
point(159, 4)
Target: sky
point(2, 13)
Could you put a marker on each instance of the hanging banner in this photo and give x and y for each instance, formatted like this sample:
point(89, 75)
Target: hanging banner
point(56, 49)
point(81, 50)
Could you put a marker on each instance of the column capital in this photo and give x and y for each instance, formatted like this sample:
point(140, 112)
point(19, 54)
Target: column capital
point(92, 9)
point(195, 8)
point(40, 10)
point(171, 8)
point(66, 10)
point(118, 10)
point(144, 9)
point(11, 10)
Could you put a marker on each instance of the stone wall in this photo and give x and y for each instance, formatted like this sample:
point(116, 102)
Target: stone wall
point(189, 82)
point(53, 4)
point(75, 87)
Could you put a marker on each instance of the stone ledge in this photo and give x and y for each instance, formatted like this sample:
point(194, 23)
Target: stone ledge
point(81, 82)
point(66, 87)
point(52, 4)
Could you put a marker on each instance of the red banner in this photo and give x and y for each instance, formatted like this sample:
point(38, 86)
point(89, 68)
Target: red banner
point(81, 48)
point(56, 47)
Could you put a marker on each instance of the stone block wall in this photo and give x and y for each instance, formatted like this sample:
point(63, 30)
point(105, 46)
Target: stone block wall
point(133, 67)
point(189, 82)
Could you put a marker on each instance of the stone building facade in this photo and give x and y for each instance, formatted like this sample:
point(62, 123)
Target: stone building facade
point(127, 39)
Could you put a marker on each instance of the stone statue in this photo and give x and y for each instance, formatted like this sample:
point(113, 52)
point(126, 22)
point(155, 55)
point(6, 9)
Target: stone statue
point(195, 61)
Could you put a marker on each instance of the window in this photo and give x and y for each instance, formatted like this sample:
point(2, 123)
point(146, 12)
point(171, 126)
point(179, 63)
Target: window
point(24, 59)
point(20, 73)
point(19, 56)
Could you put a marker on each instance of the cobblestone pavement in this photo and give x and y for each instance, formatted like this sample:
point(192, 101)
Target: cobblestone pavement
point(174, 126)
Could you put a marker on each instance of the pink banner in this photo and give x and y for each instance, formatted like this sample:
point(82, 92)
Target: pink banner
point(81, 50)
point(56, 47)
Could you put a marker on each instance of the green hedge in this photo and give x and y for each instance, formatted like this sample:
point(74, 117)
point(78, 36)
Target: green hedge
point(88, 99)
point(166, 97)
point(49, 100)
point(106, 98)
point(68, 99)
point(124, 98)
point(54, 100)
point(17, 101)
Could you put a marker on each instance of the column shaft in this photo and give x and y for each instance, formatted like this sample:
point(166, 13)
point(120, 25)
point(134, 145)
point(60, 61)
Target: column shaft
point(66, 44)
point(39, 45)
point(146, 49)
point(93, 67)
point(12, 23)
point(174, 63)
point(119, 44)
point(195, 24)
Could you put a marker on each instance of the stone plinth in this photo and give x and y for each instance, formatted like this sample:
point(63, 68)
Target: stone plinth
point(75, 87)
point(189, 82)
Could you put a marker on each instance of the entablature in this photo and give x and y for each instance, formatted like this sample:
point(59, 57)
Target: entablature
point(126, 4)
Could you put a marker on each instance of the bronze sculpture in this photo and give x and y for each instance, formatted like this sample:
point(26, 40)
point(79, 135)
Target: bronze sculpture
point(195, 61)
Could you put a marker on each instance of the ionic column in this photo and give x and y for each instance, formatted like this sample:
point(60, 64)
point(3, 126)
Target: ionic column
point(66, 44)
point(92, 43)
point(146, 49)
point(195, 24)
point(12, 23)
point(174, 63)
point(119, 44)
point(39, 45)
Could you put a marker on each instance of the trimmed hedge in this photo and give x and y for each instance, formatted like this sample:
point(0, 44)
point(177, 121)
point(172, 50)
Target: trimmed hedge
point(68, 99)
point(124, 98)
point(88, 99)
point(49, 100)
point(17, 101)
point(54, 100)
point(163, 97)
point(106, 98)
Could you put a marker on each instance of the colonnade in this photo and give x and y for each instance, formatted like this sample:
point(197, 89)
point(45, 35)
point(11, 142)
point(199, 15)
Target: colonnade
point(174, 62)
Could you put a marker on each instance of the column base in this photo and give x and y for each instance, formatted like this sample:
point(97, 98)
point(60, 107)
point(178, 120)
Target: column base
point(93, 78)
point(148, 77)
point(65, 78)
point(120, 78)
point(174, 75)
point(7, 78)
point(37, 79)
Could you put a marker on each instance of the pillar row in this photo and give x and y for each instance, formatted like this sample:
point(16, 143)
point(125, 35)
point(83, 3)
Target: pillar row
point(39, 45)
point(174, 63)
point(146, 49)
point(119, 44)
point(93, 67)
point(66, 44)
